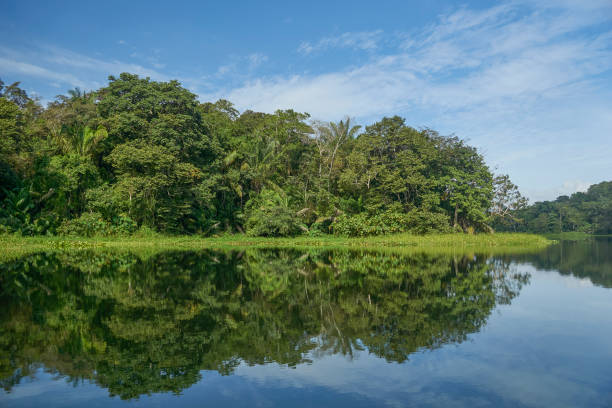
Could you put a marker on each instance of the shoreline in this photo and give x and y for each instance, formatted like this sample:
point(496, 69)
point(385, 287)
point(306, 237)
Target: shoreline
point(11, 245)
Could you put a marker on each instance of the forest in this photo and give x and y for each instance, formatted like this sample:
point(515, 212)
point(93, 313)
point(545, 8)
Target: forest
point(144, 156)
point(588, 212)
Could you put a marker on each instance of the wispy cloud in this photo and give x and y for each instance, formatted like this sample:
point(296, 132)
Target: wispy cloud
point(25, 69)
point(152, 57)
point(468, 58)
point(65, 58)
point(567, 187)
point(68, 68)
point(364, 40)
point(241, 65)
point(256, 59)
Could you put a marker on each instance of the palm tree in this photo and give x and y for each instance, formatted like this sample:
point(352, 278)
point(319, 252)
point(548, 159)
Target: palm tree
point(76, 93)
point(333, 135)
point(82, 141)
point(261, 160)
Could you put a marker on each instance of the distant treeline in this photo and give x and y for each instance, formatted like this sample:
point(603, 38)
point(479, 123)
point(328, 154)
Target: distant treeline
point(140, 154)
point(589, 212)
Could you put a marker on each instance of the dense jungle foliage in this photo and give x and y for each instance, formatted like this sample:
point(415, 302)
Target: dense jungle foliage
point(137, 325)
point(589, 212)
point(140, 154)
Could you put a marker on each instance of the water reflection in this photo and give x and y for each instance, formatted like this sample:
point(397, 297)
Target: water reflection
point(145, 324)
point(591, 258)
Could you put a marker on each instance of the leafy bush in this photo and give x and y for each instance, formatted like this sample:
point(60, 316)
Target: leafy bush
point(424, 222)
point(145, 232)
point(16, 210)
point(87, 225)
point(8, 179)
point(91, 224)
point(415, 221)
point(123, 225)
point(104, 200)
point(46, 223)
point(269, 215)
point(19, 214)
point(321, 226)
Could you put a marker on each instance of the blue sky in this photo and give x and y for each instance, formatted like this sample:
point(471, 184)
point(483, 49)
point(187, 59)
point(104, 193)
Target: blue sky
point(527, 82)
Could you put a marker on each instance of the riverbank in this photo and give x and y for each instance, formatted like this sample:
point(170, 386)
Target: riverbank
point(11, 245)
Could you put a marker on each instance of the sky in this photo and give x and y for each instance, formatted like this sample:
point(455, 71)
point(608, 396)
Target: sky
point(528, 82)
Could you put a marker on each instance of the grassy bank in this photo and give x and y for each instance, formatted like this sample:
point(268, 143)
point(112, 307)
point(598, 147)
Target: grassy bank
point(444, 243)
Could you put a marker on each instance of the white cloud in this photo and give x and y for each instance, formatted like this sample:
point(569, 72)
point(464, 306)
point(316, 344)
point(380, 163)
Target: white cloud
point(467, 59)
point(240, 65)
point(22, 68)
point(567, 188)
point(67, 67)
point(256, 60)
point(365, 40)
point(66, 58)
point(329, 95)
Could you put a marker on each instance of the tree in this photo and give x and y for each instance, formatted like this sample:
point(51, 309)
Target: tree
point(14, 93)
point(330, 137)
point(83, 141)
point(467, 184)
point(507, 200)
point(589, 212)
point(269, 215)
point(153, 187)
point(150, 151)
point(11, 128)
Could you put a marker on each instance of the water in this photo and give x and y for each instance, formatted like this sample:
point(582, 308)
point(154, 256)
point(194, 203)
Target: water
point(308, 329)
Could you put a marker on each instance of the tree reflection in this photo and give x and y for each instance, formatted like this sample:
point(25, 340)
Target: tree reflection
point(138, 325)
point(586, 259)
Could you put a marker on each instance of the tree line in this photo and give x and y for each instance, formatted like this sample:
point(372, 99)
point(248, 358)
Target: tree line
point(144, 155)
point(589, 212)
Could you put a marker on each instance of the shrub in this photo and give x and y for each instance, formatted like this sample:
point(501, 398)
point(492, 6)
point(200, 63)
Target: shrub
point(18, 214)
point(87, 225)
point(424, 222)
point(45, 223)
point(457, 229)
point(268, 215)
point(123, 225)
point(415, 221)
point(91, 224)
point(146, 232)
point(273, 222)
point(321, 226)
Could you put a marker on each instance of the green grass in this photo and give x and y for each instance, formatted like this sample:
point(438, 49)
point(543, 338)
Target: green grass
point(12, 246)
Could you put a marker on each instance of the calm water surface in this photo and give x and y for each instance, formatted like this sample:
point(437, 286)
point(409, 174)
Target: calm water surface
point(321, 328)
